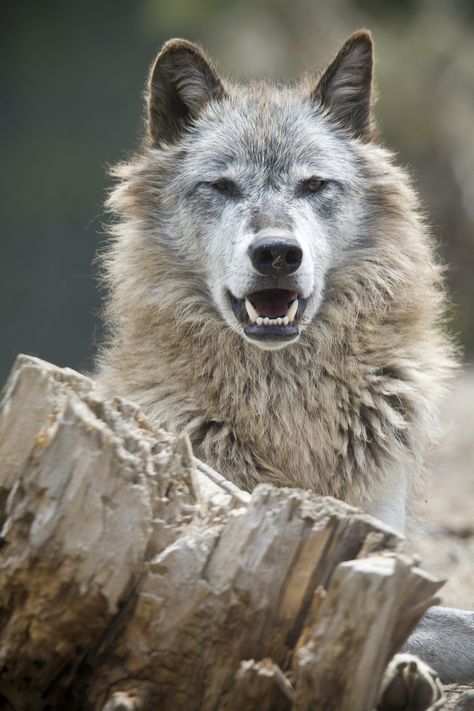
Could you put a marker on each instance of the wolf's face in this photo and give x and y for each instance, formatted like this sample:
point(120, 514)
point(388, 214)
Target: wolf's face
point(264, 189)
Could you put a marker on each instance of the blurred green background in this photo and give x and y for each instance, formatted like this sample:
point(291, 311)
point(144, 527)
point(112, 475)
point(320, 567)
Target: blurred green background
point(71, 104)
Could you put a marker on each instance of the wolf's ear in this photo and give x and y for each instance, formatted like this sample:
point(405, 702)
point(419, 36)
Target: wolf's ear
point(345, 86)
point(182, 80)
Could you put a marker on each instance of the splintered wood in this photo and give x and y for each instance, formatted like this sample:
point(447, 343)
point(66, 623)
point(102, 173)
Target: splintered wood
point(134, 577)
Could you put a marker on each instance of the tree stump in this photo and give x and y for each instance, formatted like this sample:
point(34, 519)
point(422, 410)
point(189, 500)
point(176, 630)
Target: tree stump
point(133, 576)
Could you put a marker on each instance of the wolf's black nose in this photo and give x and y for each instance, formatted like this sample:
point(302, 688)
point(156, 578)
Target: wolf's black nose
point(272, 256)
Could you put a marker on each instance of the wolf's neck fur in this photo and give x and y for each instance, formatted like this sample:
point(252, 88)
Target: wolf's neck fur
point(339, 411)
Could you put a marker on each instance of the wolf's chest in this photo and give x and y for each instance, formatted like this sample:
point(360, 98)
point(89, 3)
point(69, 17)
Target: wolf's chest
point(325, 433)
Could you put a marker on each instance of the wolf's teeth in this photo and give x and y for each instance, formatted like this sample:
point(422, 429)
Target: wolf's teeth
point(253, 315)
point(292, 311)
point(266, 321)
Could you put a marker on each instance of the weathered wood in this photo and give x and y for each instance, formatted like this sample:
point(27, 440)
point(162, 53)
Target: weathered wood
point(260, 686)
point(354, 631)
point(134, 577)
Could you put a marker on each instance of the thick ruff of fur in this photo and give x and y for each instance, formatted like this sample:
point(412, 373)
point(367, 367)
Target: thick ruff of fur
point(348, 410)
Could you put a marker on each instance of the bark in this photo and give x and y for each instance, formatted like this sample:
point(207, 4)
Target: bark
point(135, 577)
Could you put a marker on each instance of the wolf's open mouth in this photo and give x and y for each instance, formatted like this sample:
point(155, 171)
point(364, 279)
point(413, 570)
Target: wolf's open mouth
point(270, 313)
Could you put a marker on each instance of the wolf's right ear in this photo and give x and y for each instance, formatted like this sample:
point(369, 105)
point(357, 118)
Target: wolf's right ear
point(182, 80)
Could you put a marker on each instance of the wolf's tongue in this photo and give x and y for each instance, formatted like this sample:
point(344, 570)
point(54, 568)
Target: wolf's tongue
point(272, 302)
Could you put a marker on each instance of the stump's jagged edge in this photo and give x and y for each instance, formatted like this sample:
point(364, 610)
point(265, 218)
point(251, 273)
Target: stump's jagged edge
point(133, 577)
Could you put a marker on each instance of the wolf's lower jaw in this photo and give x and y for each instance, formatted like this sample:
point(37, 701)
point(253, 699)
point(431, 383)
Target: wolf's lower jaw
point(269, 315)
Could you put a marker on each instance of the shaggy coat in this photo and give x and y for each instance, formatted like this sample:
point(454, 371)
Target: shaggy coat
point(351, 407)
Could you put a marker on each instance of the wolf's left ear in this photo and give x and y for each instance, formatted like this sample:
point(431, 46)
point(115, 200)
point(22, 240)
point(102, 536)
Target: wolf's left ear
point(182, 80)
point(345, 86)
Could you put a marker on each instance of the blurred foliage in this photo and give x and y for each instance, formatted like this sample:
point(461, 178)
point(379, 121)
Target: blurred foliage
point(72, 104)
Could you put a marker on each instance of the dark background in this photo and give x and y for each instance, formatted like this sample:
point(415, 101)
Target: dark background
point(71, 104)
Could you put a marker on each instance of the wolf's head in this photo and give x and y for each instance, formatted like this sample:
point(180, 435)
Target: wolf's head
point(252, 194)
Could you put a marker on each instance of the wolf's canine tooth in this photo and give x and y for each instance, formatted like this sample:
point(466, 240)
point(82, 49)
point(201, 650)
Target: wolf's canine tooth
point(292, 311)
point(253, 315)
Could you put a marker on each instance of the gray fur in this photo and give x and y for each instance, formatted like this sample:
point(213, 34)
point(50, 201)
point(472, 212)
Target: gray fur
point(350, 406)
point(444, 639)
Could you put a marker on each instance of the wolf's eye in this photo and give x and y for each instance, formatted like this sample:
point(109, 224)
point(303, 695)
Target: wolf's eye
point(226, 187)
point(312, 185)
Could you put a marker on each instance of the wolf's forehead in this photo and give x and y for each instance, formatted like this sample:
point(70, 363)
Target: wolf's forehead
point(276, 133)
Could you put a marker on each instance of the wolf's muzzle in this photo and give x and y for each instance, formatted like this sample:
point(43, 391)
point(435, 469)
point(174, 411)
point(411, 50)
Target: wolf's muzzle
point(275, 256)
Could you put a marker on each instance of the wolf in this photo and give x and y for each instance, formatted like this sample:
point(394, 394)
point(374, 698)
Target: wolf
point(274, 291)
